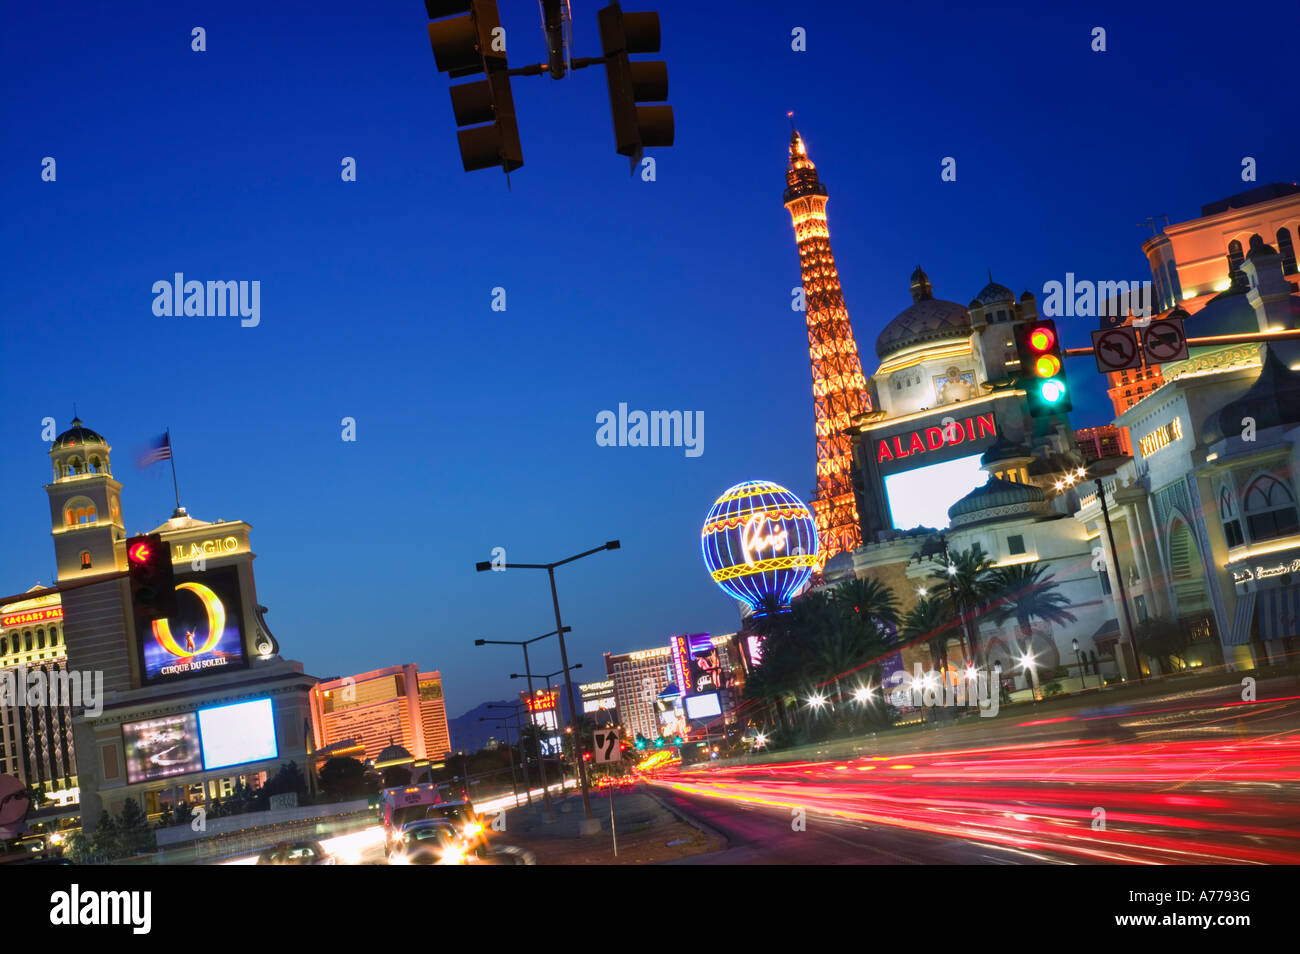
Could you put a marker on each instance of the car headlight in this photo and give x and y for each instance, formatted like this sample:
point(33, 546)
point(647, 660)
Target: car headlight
point(452, 855)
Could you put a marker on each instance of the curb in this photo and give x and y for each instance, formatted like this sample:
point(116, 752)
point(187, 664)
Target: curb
point(689, 820)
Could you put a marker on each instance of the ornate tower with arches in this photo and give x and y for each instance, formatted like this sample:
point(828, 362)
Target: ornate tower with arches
point(85, 504)
point(839, 387)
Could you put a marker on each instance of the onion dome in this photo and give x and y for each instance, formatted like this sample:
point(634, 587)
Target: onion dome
point(926, 319)
point(839, 567)
point(393, 753)
point(1259, 248)
point(1273, 400)
point(1004, 451)
point(998, 499)
point(1227, 313)
point(993, 293)
point(78, 435)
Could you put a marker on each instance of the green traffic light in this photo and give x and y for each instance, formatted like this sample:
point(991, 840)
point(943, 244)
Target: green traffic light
point(1052, 391)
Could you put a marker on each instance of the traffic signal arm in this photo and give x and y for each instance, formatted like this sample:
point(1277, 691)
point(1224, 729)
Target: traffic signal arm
point(1210, 340)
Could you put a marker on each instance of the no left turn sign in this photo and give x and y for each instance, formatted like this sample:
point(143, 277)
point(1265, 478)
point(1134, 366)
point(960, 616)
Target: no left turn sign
point(1165, 340)
point(1116, 349)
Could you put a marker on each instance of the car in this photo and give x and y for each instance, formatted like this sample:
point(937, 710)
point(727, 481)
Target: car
point(430, 841)
point(463, 816)
point(296, 853)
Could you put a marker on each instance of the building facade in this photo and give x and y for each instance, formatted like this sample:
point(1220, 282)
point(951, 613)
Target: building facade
point(394, 705)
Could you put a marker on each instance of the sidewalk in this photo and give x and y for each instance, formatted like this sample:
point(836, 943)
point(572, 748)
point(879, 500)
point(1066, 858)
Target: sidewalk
point(647, 832)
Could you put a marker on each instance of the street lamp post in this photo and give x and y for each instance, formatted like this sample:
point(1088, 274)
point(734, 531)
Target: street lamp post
point(546, 679)
point(523, 753)
point(510, 752)
point(1078, 654)
point(590, 825)
point(1119, 578)
point(541, 765)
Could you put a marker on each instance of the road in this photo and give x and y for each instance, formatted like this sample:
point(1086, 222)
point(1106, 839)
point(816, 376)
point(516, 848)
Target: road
point(1197, 777)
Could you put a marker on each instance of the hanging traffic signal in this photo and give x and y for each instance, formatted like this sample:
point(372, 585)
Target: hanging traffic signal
point(636, 127)
point(153, 584)
point(464, 45)
point(1042, 368)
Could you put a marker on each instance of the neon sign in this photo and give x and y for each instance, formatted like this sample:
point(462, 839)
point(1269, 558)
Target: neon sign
point(753, 540)
point(32, 616)
point(935, 438)
point(204, 548)
point(544, 701)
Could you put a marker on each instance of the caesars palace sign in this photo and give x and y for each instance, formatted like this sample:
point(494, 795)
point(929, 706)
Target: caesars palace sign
point(926, 439)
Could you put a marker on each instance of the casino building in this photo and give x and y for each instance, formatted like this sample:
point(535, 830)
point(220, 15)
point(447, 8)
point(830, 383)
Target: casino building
point(36, 744)
point(192, 704)
point(396, 704)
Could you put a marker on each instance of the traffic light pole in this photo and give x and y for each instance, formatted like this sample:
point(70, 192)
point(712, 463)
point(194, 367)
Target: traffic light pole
point(1208, 341)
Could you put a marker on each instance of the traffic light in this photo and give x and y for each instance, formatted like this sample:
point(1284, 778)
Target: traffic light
point(153, 585)
point(1042, 368)
point(464, 45)
point(636, 127)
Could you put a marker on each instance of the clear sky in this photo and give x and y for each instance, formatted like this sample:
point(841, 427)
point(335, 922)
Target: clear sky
point(476, 429)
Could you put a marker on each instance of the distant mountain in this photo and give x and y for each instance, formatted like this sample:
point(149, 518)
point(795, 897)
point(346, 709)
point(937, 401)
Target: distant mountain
point(468, 734)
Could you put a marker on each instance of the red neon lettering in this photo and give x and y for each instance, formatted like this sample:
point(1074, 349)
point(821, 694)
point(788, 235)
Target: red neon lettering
point(935, 437)
point(986, 425)
point(918, 445)
point(882, 453)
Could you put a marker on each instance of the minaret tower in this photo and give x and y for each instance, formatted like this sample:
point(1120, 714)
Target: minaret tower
point(839, 388)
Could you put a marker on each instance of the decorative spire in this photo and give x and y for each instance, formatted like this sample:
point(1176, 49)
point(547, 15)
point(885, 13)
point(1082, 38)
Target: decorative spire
point(922, 290)
point(801, 175)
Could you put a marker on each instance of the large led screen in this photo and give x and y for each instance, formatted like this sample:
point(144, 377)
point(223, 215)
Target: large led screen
point(921, 497)
point(205, 634)
point(238, 733)
point(161, 748)
point(703, 707)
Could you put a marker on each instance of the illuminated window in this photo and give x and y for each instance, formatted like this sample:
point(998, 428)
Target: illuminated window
point(1286, 250)
point(1228, 516)
point(85, 559)
point(1235, 258)
point(1270, 509)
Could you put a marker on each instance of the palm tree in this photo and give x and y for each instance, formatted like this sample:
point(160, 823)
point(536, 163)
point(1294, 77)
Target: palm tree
point(967, 578)
point(930, 620)
point(868, 611)
point(1022, 593)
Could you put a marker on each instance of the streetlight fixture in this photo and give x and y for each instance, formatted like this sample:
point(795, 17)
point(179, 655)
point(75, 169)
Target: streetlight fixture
point(1078, 654)
point(541, 765)
point(591, 824)
point(1119, 578)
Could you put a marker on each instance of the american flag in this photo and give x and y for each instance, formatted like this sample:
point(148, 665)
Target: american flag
point(160, 449)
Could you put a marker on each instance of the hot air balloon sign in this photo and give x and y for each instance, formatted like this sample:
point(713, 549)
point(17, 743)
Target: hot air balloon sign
point(205, 634)
point(759, 542)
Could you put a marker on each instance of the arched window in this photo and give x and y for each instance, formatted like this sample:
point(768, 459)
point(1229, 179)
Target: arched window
point(1188, 571)
point(1270, 508)
point(27, 641)
point(40, 639)
point(1286, 250)
point(94, 465)
point(1228, 517)
point(85, 559)
point(1235, 257)
point(4, 646)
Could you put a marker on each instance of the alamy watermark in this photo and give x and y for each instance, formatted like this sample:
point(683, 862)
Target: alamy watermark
point(1089, 299)
point(195, 299)
point(651, 429)
point(35, 688)
point(975, 689)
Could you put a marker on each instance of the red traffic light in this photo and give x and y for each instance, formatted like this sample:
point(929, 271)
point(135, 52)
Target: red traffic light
point(1042, 339)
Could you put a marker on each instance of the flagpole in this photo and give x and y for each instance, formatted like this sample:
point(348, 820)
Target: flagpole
point(171, 455)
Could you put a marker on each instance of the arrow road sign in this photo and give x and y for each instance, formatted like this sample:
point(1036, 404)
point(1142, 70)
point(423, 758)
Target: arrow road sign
point(1116, 349)
point(1165, 340)
point(606, 747)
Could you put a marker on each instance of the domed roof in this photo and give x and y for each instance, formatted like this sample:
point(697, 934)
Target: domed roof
point(1004, 449)
point(839, 567)
point(1227, 313)
point(393, 753)
point(993, 293)
point(996, 494)
point(1273, 399)
point(78, 435)
point(926, 319)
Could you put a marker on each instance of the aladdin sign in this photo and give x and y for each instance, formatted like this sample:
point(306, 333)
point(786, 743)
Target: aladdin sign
point(927, 439)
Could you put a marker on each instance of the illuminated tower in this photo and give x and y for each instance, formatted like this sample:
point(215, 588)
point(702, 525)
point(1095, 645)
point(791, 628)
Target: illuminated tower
point(839, 388)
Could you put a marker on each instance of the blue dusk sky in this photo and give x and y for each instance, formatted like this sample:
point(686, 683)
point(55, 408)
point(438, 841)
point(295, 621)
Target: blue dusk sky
point(476, 428)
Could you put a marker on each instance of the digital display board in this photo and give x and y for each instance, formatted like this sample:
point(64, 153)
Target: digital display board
point(161, 748)
point(237, 733)
point(705, 669)
point(597, 696)
point(921, 497)
point(703, 707)
point(205, 634)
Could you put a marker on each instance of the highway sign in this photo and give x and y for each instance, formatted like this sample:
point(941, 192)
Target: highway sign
point(1164, 340)
point(1116, 349)
point(605, 746)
